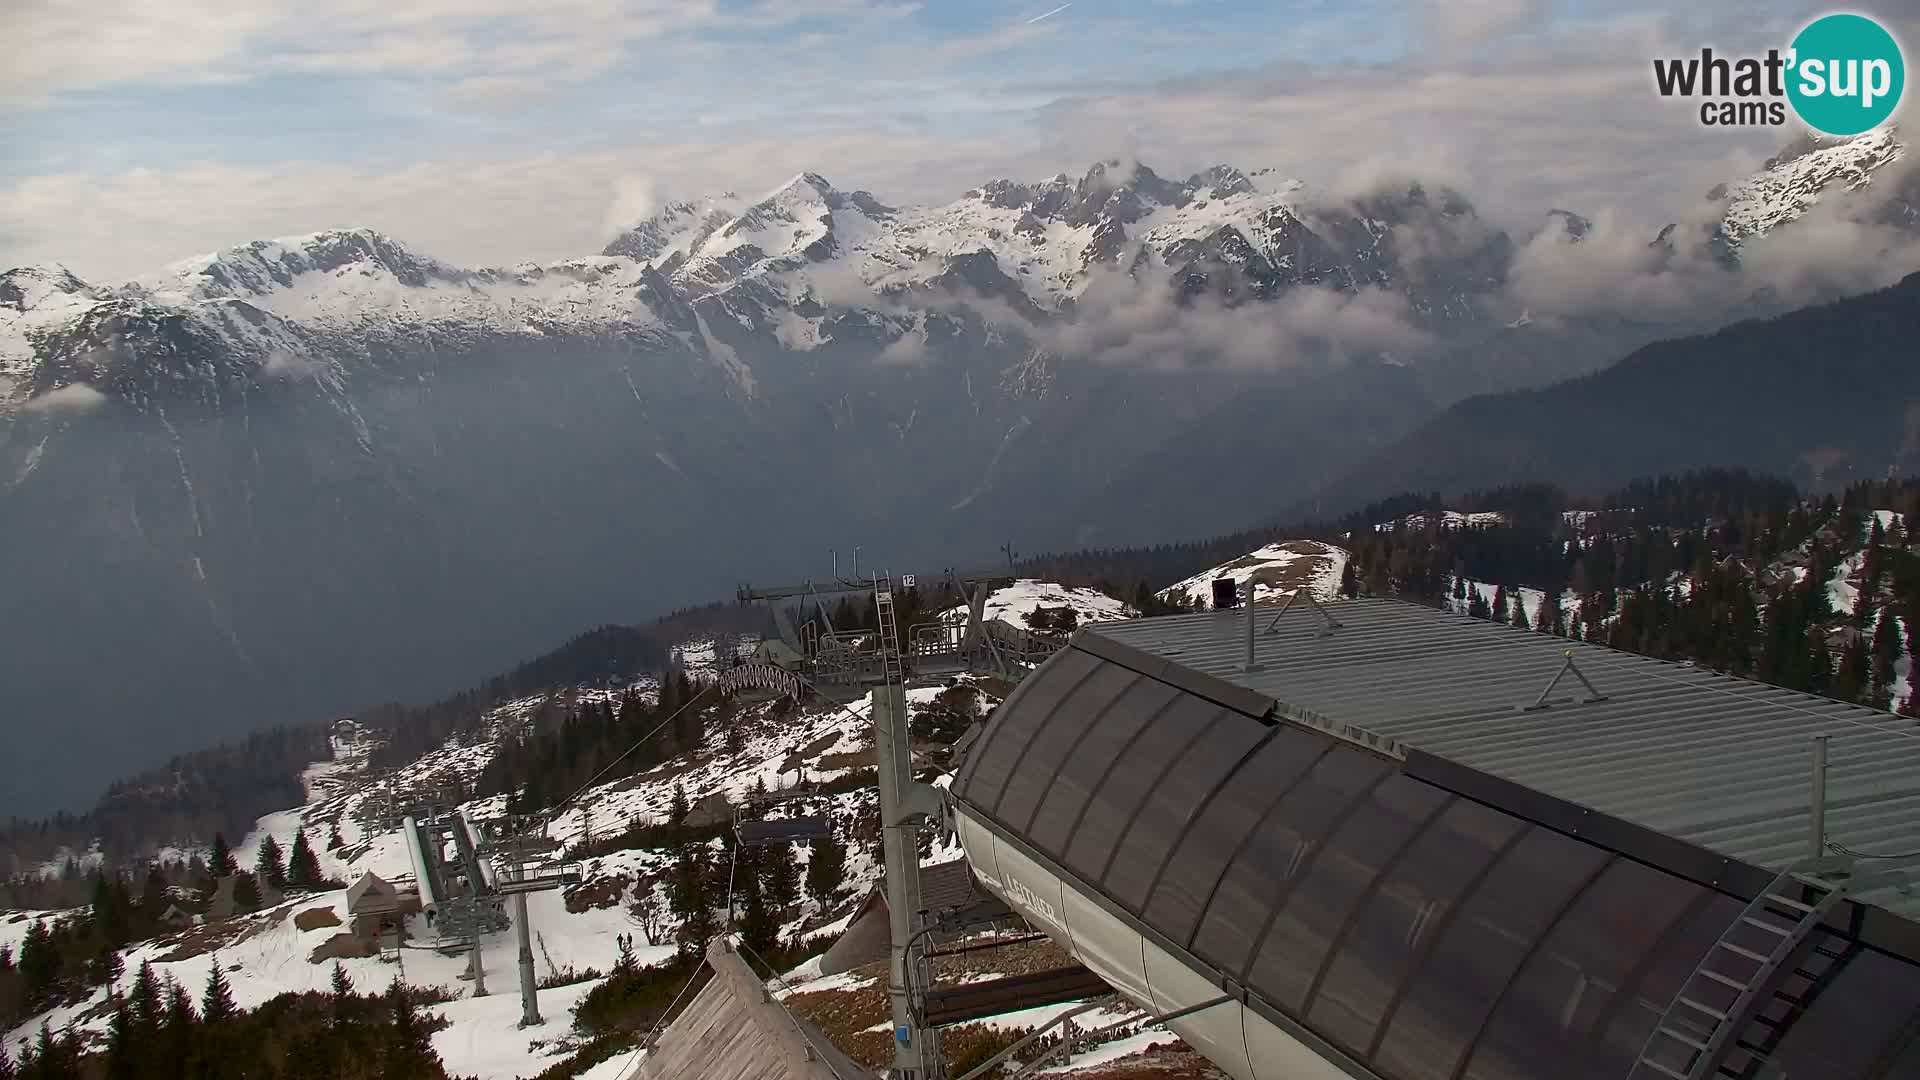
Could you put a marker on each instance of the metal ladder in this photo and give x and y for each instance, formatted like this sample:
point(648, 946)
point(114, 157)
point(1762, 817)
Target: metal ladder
point(890, 667)
point(1715, 1003)
point(1819, 964)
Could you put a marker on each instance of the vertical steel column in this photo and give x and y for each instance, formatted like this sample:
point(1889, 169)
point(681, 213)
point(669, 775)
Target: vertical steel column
point(1817, 834)
point(915, 1051)
point(474, 964)
point(1250, 665)
point(529, 987)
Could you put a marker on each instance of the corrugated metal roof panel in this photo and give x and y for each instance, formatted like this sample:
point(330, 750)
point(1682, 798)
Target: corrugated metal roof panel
point(1711, 759)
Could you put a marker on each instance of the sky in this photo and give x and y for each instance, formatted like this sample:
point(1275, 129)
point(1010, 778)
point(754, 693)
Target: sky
point(488, 132)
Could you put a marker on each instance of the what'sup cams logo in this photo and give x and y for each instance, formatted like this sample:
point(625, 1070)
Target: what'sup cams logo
point(1842, 75)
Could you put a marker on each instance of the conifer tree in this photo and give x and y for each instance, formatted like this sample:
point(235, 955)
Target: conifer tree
point(1477, 605)
point(303, 867)
point(112, 909)
point(1499, 611)
point(39, 963)
point(1349, 581)
point(826, 869)
point(6, 1063)
point(1886, 647)
point(1553, 619)
point(334, 840)
point(220, 859)
point(176, 1034)
point(216, 1003)
point(1815, 601)
point(147, 1001)
point(678, 808)
point(409, 1053)
point(1459, 587)
point(780, 880)
point(695, 932)
point(624, 963)
point(689, 902)
point(759, 929)
point(154, 894)
point(271, 865)
point(125, 1054)
point(340, 992)
point(107, 967)
point(52, 1057)
point(1520, 611)
point(1850, 679)
point(1819, 677)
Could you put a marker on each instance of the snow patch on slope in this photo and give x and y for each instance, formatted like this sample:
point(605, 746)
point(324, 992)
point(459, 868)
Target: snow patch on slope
point(1445, 519)
point(1275, 569)
point(1014, 603)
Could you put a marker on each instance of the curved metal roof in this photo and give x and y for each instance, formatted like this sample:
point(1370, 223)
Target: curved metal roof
point(1710, 759)
point(1425, 918)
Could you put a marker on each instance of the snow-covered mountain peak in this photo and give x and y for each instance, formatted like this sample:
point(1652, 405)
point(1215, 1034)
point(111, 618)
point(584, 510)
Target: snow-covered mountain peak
point(802, 182)
point(806, 220)
point(808, 262)
point(678, 227)
point(1796, 178)
point(27, 287)
point(264, 267)
point(36, 300)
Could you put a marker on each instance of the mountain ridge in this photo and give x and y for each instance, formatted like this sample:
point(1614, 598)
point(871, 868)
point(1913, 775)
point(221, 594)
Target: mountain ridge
point(1646, 409)
point(1034, 249)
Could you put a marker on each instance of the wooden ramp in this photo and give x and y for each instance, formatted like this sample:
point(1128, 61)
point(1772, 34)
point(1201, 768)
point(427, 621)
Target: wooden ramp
point(735, 1031)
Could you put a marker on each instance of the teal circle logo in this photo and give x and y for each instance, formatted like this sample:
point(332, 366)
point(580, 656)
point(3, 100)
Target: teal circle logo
point(1846, 74)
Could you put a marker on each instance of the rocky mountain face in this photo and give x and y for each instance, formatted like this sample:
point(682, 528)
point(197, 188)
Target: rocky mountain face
point(1871, 173)
point(1795, 179)
point(298, 476)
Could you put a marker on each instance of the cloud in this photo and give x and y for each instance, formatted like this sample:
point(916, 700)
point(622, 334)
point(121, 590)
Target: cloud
point(1143, 322)
point(908, 350)
point(634, 200)
point(284, 364)
point(838, 283)
point(57, 50)
point(71, 398)
point(1452, 23)
point(1838, 247)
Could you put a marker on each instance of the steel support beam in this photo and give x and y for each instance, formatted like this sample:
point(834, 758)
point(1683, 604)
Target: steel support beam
point(475, 966)
point(916, 1049)
point(529, 987)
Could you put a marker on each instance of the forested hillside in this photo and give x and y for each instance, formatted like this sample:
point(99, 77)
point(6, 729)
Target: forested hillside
point(1825, 396)
point(1730, 573)
point(224, 788)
